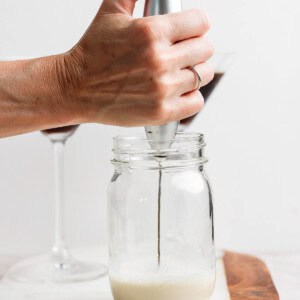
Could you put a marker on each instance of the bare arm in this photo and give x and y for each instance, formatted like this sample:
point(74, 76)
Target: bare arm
point(31, 97)
point(124, 71)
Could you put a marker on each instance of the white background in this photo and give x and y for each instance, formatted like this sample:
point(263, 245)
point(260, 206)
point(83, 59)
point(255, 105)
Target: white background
point(251, 125)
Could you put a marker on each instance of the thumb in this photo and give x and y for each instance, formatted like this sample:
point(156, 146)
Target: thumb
point(118, 6)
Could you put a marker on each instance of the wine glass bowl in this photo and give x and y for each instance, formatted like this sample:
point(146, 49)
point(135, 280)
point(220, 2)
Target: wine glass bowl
point(60, 133)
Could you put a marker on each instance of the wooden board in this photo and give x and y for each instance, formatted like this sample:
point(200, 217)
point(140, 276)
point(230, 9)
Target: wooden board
point(248, 278)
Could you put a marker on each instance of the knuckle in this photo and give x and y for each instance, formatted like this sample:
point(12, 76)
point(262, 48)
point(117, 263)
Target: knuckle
point(210, 48)
point(200, 102)
point(160, 89)
point(154, 54)
point(210, 72)
point(156, 61)
point(153, 60)
point(160, 93)
point(162, 110)
point(203, 19)
point(145, 30)
point(159, 113)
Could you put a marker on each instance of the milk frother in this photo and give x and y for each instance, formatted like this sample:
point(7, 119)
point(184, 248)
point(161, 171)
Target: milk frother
point(162, 136)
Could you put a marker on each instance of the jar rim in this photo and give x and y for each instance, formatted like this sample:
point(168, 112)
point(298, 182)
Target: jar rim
point(186, 147)
point(180, 136)
point(140, 143)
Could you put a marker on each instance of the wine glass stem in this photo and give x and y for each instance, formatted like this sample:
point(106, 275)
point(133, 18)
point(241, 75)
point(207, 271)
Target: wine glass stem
point(59, 250)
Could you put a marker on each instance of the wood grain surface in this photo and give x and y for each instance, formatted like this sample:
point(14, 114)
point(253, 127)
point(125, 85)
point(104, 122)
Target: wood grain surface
point(248, 278)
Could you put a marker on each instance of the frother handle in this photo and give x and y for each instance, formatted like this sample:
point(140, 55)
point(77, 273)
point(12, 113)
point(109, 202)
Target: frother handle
point(162, 7)
point(162, 136)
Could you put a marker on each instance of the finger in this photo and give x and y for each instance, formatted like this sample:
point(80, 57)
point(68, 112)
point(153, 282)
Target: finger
point(188, 80)
point(187, 105)
point(192, 52)
point(185, 25)
point(118, 6)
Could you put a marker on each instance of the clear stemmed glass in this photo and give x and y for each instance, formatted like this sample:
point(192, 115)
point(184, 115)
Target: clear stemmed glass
point(220, 62)
point(59, 266)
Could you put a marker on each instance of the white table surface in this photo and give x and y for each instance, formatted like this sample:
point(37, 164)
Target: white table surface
point(285, 271)
point(284, 268)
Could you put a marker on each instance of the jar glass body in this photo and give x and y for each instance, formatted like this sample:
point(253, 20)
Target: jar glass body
point(160, 214)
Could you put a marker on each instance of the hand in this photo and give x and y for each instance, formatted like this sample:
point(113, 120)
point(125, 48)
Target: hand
point(133, 72)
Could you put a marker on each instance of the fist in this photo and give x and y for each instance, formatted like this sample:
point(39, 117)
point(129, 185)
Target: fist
point(135, 72)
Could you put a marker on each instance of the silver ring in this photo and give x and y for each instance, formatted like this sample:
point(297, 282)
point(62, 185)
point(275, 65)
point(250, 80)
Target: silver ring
point(192, 68)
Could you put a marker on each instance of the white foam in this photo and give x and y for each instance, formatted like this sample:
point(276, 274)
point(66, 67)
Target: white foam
point(160, 287)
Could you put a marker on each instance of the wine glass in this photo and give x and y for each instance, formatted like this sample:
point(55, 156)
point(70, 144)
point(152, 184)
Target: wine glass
point(221, 63)
point(59, 266)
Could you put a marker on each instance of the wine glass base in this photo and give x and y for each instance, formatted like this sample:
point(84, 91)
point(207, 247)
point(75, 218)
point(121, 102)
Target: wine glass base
point(44, 270)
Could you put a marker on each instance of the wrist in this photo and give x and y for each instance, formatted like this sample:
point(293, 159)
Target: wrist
point(69, 69)
point(65, 77)
point(39, 94)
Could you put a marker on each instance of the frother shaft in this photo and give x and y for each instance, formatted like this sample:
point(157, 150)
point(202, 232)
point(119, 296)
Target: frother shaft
point(161, 7)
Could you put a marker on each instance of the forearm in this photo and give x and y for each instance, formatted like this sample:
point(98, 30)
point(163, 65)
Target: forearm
point(32, 96)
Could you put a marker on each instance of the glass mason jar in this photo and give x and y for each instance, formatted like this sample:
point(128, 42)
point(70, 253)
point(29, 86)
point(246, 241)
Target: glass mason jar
point(160, 219)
